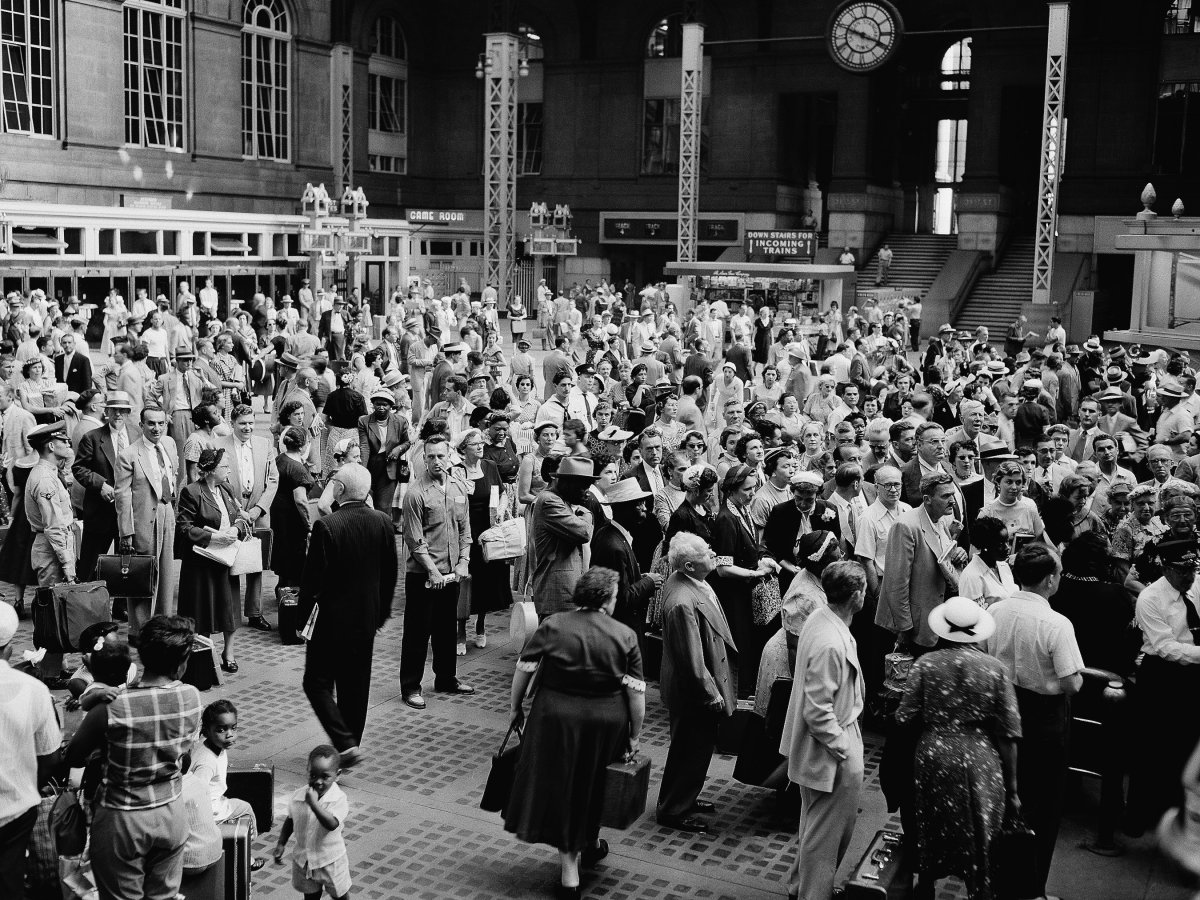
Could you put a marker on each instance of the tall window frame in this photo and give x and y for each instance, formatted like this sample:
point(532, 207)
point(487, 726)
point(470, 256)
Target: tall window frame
point(387, 98)
point(27, 68)
point(155, 87)
point(956, 66)
point(266, 80)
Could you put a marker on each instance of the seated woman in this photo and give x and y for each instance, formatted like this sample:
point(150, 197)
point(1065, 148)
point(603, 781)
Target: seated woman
point(586, 714)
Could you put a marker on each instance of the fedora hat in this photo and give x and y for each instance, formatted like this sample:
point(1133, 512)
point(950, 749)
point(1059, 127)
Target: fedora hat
point(1170, 389)
point(1115, 375)
point(118, 400)
point(996, 368)
point(946, 329)
point(1112, 394)
point(290, 360)
point(961, 620)
point(577, 467)
point(994, 449)
point(1092, 345)
point(392, 377)
point(457, 347)
point(1074, 350)
point(627, 490)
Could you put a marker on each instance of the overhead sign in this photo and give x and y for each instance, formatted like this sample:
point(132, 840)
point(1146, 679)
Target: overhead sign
point(665, 230)
point(781, 243)
point(146, 201)
point(437, 216)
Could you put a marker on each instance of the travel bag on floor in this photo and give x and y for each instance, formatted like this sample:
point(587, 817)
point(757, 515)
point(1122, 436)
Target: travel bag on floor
point(877, 875)
point(202, 672)
point(504, 771)
point(289, 617)
point(235, 840)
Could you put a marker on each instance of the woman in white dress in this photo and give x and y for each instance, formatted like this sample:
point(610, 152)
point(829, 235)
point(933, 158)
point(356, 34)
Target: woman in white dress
point(115, 317)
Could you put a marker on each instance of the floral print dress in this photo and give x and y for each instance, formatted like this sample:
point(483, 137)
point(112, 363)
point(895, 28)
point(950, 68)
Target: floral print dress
point(960, 697)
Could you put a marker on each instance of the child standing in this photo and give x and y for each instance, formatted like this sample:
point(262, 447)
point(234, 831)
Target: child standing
point(210, 763)
point(316, 814)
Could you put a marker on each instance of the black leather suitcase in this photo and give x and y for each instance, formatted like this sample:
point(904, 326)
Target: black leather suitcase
point(880, 874)
point(256, 785)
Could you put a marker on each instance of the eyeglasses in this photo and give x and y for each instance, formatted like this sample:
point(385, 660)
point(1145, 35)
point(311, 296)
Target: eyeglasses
point(888, 486)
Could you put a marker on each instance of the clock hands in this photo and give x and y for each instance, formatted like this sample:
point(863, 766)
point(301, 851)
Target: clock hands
point(862, 34)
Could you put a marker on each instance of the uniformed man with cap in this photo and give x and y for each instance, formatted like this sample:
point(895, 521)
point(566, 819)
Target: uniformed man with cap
point(52, 520)
point(178, 392)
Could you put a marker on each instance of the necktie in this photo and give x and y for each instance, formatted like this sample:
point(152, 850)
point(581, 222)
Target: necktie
point(1193, 618)
point(122, 441)
point(167, 490)
point(187, 390)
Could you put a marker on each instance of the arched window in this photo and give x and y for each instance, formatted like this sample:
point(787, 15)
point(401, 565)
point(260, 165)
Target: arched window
point(27, 67)
point(266, 67)
point(666, 38)
point(154, 90)
point(956, 66)
point(387, 98)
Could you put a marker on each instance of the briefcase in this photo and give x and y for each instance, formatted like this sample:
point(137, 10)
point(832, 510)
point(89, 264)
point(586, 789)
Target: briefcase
point(626, 786)
point(128, 575)
point(504, 771)
point(267, 537)
point(202, 672)
point(235, 840)
point(289, 617)
point(256, 785)
point(877, 875)
point(731, 732)
point(1014, 861)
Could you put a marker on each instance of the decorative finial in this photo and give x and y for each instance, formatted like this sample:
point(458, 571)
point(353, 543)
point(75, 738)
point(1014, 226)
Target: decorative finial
point(1177, 208)
point(1148, 199)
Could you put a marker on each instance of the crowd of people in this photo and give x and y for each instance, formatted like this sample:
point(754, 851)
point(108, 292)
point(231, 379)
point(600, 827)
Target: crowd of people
point(818, 513)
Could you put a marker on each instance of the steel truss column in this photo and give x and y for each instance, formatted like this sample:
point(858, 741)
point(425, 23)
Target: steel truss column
point(691, 92)
point(500, 171)
point(341, 108)
point(1053, 145)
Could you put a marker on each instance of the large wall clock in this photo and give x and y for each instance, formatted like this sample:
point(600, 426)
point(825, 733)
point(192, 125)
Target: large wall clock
point(864, 34)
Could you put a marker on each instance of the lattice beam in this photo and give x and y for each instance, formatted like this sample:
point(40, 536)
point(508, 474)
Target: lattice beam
point(1053, 145)
point(499, 162)
point(691, 93)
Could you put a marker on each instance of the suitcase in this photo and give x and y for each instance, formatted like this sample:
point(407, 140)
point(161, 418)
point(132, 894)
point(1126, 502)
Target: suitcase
point(626, 786)
point(256, 785)
point(878, 874)
point(207, 884)
point(235, 840)
point(289, 617)
point(731, 733)
point(202, 672)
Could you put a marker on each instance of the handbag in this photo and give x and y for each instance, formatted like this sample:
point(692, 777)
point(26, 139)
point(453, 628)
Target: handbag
point(765, 600)
point(49, 623)
point(506, 540)
point(523, 622)
point(202, 672)
point(626, 786)
point(226, 555)
point(504, 771)
point(1014, 861)
point(249, 558)
point(128, 574)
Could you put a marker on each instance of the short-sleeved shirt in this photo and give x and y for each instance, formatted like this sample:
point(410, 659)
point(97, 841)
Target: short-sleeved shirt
point(584, 652)
point(28, 729)
point(148, 730)
point(1036, 644)
point(1020, 516)
point(317, 846)
point(870, 540)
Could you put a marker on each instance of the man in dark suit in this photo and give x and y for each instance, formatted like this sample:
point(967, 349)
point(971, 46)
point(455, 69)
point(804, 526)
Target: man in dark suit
point(612, 547)
point(95, 469)
point(349, 577)
point(649, 478)
point(557, 360)
point(71, 368)
point(696, 681)
point(333, 329)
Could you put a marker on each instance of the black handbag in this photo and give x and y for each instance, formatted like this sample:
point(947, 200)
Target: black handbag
point(128, 574)
point(1014, 861)
point(503, 774)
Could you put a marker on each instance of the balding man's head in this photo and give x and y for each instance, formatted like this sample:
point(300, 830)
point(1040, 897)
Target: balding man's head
point(355, 481)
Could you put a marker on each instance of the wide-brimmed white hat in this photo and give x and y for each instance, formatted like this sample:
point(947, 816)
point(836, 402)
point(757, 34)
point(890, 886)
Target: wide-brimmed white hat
point(626, 490)
point(961, 620)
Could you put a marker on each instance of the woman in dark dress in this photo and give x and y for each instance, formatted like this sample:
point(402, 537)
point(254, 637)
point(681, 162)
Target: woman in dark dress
point(742, 562)
point(289, 509)
point(208, 517)
point(1098, 607)
point(502, 452)
point(489, 590)
point(15, 565)
point(343, 409)
point(586, 714)
point(963, 704)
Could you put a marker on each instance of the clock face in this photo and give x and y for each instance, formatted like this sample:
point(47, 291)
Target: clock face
point(864, 34)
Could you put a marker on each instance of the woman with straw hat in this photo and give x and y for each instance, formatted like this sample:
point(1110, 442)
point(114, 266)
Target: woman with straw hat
point(963, 705)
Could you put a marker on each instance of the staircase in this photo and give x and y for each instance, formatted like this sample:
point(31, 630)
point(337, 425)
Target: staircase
point(916, 261)
point(997, 297)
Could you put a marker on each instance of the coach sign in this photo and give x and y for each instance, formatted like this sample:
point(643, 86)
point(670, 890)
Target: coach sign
point(781, 243)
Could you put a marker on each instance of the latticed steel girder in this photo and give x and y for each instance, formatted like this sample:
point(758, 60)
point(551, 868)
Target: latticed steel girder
point(691, 94)
point(1053, 140)
point(500, 182)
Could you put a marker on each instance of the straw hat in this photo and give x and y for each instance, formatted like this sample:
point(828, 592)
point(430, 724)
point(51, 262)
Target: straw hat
point(962, 621)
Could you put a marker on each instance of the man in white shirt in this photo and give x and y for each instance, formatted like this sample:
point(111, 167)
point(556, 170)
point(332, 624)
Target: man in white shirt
point(29, 738)
point(1104, 452)
point(839, 363)
point(209, 299)
point(870, 540)
point(1037, 645)
point(305, 298)
point(1175, 425)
